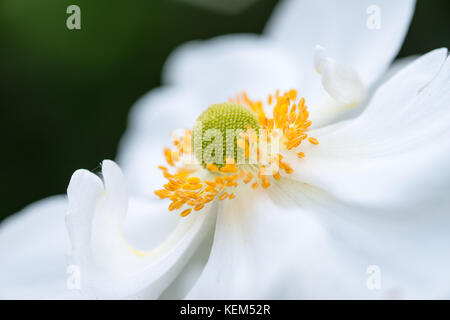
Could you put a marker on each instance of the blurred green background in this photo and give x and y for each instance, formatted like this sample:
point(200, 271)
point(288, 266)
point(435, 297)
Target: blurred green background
point(65, 95)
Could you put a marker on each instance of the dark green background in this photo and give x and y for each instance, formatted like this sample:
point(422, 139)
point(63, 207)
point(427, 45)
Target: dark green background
point(65, 95)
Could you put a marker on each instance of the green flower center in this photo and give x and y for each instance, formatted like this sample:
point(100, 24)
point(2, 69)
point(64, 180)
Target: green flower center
point(216, 131)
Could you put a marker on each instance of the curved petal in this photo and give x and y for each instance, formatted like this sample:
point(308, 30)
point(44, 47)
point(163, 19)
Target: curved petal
point(181, 286)
point(394, 68)
point(340, 81)
point(220, 68)
point(33, 252)
point(372, 254)
point(316, 247)
point(110, 267)
point(357, 33)
point(256, 246)
point(397, 151)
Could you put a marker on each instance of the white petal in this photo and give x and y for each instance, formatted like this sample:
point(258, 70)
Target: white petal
point(344, 94)
point(397, 151)
point(220, 68)
point(33, 252)
point(255, 248)
point(342, 28)
point(319, 58)
point(394, 68)
point(187, 278)
point(320, 248)
point(163, 110)
point(406, 256)
point(151, 122)
point(341, 81)
point(109, 266)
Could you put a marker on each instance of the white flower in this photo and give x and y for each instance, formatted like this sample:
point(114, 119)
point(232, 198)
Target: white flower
point(372, 192)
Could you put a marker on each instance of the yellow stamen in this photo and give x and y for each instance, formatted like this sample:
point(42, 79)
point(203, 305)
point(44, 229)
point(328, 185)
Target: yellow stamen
point(185, 212)
point(189, 186)
point(193, 180)
point(277, 176)
point(313, 141)
point(212, 167)
point(223, 196)
point(168, 155)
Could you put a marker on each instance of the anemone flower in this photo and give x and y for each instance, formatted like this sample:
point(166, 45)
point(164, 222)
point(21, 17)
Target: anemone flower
point(344, 198)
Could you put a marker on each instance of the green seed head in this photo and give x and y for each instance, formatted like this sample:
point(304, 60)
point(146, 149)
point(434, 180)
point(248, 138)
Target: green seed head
point(216, 130)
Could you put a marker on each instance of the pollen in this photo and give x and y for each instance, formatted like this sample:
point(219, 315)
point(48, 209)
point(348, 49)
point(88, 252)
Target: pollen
point(313, 140)
point(205, 165)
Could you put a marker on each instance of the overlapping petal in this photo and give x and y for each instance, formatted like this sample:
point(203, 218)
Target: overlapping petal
point(247, 260)
point(110, 266)
point(219, 68)
point(405, 252)
point(396, 152)
point(33, 252)
point(362, 34)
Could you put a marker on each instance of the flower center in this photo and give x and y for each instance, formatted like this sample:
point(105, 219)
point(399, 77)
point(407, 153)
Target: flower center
point(224, 133)
point(216, 132)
